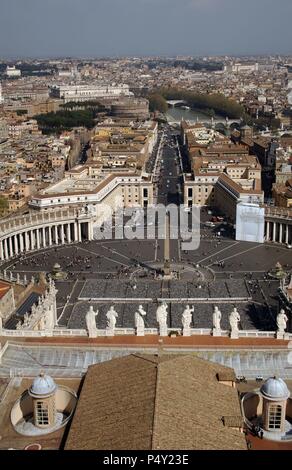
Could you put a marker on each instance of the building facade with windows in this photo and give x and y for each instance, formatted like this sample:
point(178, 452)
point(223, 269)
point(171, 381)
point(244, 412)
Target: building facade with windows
point(88, 92)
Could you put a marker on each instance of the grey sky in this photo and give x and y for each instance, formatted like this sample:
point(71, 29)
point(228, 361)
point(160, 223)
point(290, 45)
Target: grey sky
point(96, 28)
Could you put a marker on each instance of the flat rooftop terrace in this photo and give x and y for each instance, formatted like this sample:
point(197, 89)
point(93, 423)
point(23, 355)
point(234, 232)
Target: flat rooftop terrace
point(73, 186)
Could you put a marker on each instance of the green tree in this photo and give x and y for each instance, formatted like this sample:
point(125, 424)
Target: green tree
point(206, 102)
point(3, 205)
point(66, 120)
point(157, 103)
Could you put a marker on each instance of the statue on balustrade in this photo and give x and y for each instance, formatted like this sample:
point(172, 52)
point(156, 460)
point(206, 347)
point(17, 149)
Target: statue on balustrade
point(234, 319)
point(161, 318)
point(217, 319)
point(282, 321)
point(91, 322)
point(111, 316)
point(187, 317)
point(139, 321)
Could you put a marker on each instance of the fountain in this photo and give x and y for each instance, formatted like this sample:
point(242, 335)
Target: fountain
point(57, 274)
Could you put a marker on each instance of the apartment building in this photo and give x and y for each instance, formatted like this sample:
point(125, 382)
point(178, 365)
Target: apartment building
point(222, 174)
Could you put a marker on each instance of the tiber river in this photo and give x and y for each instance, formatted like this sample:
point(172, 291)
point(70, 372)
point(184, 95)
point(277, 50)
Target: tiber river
point(176, 114)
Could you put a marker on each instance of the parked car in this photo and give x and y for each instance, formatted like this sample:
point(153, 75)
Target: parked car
point(209, 224)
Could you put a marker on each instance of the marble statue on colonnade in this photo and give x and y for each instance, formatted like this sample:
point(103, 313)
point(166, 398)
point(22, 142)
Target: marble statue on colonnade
point(111, 316)
point(282, 320)
point(187, 320)
point(234, 319)
point(139, 321)
point(91, 322)
point(161, 318)
point(49, 319)
point(216, 322)
point(26, 319)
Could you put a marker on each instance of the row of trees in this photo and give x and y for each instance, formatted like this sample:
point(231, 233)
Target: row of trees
point(66, 120)
point(90, 104)
point(3, 206)
point(206, 102)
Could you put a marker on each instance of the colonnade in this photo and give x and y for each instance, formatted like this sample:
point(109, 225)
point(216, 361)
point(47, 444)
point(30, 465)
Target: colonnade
point(22, 239)
point(278, 231)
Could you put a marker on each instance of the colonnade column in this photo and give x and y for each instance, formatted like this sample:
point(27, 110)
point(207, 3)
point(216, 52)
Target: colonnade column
point(10, 246)
point(21, 246)
point(16, 250)
point(68, 233)
point(280, 233)
point(56, 235)
point(6, 249)
point(50, 235)
point(26, 241)
point(1, 251)
point(90, 231)
point(44, 237)
point(287, 234)
point(62, 227)
point(76, 232)
point(37, 239)
point(79, 233)
point(274, 231)
point(268, 231)
point(32, 240)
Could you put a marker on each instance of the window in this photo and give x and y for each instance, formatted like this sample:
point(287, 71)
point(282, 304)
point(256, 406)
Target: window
point(190, 192)
point(275, 413)
point(145, 192)
point(42, 413)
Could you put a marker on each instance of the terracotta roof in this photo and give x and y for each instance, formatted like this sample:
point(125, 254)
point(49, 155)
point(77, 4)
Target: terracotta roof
point(144, 402)
point(237, 187)
point(235, 421)
point(228, 375)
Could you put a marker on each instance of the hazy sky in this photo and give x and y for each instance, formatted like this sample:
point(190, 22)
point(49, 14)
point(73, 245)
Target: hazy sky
point(93, 28)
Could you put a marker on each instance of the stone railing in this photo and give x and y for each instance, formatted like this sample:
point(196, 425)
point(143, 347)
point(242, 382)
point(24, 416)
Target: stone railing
point(203, 331)
point(278, 212)
point(256, 334)
point(131, 332)
point(64, 332)
point(9, 276)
